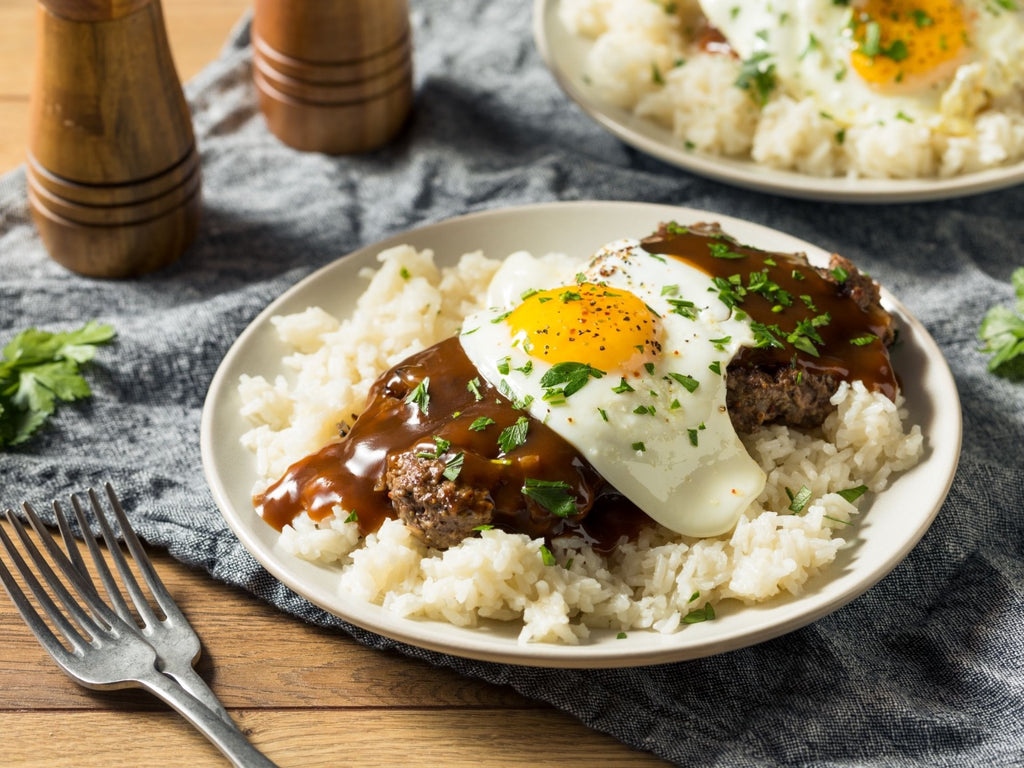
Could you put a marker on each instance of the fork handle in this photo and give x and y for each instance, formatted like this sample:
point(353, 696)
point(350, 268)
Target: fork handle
point(224, 735)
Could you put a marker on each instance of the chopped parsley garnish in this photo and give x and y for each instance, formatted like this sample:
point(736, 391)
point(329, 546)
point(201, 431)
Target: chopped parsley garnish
point(481, 423)
point(453, 466)
point(707, 613)
point(604, 414)
point(757, 77)
point(716, 368)
point(639, 446)
point(670, 290)
point(567, 296)
point(863, 341)
point(352, 517)
point(563, 380)
point(684, 308)
point(644, 410)
point(40, 368)
point(921, 18)
point(405, 273)
point(798, 501)
point(420, 395)
point(546, 557)
point(722, 251)
point(694, 434)
point(621, 387)
point(552, 495)
point(689, 383)
point(852, 494)
point(504, 366)
point(484, 527)
point(514, 436)
point(440, 446)
point(526, 368)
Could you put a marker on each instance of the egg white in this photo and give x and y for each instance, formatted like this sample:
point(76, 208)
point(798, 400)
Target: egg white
point(808, 42)
point(682, 464)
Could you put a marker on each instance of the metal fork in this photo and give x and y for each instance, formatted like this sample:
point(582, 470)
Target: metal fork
point(175, 641)
point(106, 651)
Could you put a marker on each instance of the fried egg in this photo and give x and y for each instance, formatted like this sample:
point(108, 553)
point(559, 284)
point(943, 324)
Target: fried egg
point(865, 61)
point(626, 360)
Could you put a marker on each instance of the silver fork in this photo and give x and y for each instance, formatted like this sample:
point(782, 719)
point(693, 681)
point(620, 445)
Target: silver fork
point(106, 651)
point(176, 643)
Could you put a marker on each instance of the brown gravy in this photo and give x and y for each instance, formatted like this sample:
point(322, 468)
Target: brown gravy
point(350, 472)
point(790, 296)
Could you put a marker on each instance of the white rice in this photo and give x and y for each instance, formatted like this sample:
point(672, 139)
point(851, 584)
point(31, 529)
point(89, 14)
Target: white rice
point(652, 583)
point(694, 96)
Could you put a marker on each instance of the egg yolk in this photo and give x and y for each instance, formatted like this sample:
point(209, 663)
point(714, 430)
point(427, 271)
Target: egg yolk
point(908, 43)
point(608, 328)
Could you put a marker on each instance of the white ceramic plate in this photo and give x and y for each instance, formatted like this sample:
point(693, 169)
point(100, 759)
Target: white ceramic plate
point(565, 54)
point(886, 532)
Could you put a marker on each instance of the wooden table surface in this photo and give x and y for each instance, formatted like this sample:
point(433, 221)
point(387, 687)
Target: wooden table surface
point(307, 697)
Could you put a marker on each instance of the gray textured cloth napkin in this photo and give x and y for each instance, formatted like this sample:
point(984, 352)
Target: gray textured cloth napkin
point(925, 669)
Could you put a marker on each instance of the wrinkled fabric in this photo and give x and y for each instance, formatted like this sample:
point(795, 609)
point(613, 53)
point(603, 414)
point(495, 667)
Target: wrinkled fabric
point(925, 669)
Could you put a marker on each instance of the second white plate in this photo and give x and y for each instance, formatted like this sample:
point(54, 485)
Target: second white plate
point(565, 55)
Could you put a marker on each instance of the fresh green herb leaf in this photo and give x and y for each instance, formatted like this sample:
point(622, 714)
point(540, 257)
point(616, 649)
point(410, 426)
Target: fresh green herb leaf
point(863, 341)
point(722, 251)
point(568, 378)
point(689, 383)
point(621, 387)
point(707, 613)
point(852, 494)
point(473, 387)
point(481, 423)
point(552, 495)
point(683, 308)
point(514, 436)
point(798, 501)
point(638, 446)
point(453, 466)
point(352, 517)
point(546, 557)
point(1002, 331)
point(757, 77)
point(420, 395)
point(40, 369)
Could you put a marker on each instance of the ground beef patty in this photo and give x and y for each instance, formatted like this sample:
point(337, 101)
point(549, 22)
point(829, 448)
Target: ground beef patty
point(442, 512)
point(759, 394)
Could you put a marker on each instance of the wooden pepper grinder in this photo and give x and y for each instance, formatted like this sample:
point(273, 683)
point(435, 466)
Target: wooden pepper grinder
point(113, 172)
point(333, 76)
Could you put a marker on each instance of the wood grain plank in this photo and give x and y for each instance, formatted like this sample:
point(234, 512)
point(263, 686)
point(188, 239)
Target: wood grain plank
point(320, 738)
point(253, 656)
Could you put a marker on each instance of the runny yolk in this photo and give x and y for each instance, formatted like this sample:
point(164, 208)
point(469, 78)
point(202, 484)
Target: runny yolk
point(908, 43)
point(607, 328)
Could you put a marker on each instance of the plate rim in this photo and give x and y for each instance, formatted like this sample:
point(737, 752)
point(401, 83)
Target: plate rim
point(436, 636)
point(747, 174)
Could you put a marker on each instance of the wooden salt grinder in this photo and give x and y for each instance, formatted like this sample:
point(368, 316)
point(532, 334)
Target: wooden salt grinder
point(333, 76)
point(113, 172)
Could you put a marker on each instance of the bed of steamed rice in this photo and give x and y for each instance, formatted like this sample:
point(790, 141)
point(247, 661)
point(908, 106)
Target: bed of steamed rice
point(699, 103)
point(651, 583)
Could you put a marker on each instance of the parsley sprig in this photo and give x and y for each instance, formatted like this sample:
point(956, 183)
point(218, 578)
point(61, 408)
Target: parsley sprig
point(1002, 331)
point(40, 369)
